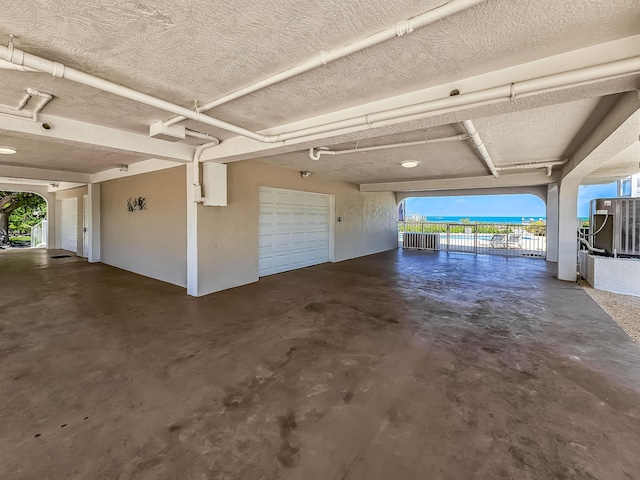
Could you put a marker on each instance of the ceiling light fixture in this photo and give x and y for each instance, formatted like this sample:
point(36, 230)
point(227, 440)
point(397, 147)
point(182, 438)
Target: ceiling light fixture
point(7, 151)
point(409, 164)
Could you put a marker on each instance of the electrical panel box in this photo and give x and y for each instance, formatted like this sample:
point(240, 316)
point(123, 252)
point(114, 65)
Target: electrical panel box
point(214, 184)
point(615, 225)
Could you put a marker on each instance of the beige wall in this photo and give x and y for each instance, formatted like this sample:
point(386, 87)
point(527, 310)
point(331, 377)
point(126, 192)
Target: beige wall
point(78, 193)
point(228, 236)
point(151, 242)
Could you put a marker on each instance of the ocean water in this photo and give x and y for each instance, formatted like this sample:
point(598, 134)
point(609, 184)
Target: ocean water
point(487, 219)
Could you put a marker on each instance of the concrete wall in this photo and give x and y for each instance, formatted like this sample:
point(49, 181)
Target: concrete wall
point(228, 236)
point(78, 193)
point(617, 275)
point(151, 242)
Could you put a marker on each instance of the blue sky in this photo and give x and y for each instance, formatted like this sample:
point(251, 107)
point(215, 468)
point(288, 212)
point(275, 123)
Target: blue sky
point(501, 205)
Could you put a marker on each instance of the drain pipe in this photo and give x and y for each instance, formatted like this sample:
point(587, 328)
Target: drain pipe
point(470, 128)
point(201, 135)
point(197, 187)
point(21, 58)
point(18, 111)
point(548, 166)
point(403, 28)
point(315, 153)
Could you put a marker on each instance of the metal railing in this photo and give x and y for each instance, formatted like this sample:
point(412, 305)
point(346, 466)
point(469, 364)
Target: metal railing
point(513, 240)
point(39, 235)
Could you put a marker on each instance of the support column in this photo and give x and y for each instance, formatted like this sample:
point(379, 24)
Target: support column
point(192, 237)
point(51, 220)
point(567, 229)
point(93, 255)
point(552, 222)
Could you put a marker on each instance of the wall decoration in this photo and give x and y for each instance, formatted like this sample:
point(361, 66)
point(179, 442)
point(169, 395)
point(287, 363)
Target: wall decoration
point(136, 203)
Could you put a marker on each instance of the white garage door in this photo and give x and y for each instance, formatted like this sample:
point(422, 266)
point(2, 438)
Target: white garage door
point(69, 223)
point(294, 230)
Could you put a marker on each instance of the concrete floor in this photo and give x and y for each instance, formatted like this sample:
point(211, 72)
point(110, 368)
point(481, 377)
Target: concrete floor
point(403, 365)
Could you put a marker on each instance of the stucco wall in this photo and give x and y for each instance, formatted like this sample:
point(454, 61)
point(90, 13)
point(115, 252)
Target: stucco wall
point(151, 242)
point(228, 236)
point(78, 193)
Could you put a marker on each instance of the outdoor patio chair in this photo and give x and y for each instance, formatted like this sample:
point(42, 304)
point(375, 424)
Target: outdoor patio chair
point(501, 240)
point(498, 240)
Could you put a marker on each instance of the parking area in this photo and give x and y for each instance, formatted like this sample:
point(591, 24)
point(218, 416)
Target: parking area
point(405, 364)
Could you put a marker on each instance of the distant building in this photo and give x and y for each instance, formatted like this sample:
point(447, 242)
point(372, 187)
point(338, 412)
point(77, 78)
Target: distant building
point(629, 186)
point(415, 217)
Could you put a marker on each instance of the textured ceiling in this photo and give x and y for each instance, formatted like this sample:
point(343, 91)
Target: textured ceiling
point(188, 50)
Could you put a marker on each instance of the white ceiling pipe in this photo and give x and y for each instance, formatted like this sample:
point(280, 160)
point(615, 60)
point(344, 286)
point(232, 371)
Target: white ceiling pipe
point(203, 136)
point(4, 65)
point(197, 188)
point(18, 111)
point(315, 153)
point(548, 166)
point(56, 69)
point(470, 128)
point(405, 27)
point(573, 78)
point(44, 98)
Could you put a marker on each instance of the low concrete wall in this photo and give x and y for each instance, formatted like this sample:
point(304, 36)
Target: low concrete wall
point(617, 275)
point(228, 236)
point(151, 242)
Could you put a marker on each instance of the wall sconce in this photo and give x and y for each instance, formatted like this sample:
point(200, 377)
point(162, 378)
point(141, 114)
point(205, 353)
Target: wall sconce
point(305, 174)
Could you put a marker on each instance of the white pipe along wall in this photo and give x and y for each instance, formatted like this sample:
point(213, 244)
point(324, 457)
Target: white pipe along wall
point(506, 92)
point(315, 153)
point(470, 128)
point(403, 28)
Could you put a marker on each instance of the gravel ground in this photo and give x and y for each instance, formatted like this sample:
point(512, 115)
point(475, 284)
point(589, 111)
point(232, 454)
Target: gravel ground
point(624, 309)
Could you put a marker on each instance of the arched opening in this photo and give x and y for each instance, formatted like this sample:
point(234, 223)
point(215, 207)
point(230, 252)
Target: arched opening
point(505, 224)
point(23, 220)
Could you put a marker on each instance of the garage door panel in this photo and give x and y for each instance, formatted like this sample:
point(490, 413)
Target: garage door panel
point(294, 230)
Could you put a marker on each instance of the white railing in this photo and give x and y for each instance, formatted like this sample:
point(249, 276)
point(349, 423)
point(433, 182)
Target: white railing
point(39, 235)
point(513, 240)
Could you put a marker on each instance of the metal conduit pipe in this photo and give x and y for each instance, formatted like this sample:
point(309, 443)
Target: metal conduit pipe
point(470, 128)
point(4, 65)
point(315, 153)
point(59, 70)
point(504, 93)
point(201, 135)
point(197, 188)
point(548, 166)
point(507, 92)
point(405, 27)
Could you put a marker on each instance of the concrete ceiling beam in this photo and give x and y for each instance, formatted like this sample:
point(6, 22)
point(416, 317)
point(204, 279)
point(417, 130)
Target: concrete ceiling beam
point(616, 133)
point(467, 183)
point(19, 173)
point(65, 130)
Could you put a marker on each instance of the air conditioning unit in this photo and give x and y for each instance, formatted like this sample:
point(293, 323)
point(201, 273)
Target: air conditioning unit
point(615, 225)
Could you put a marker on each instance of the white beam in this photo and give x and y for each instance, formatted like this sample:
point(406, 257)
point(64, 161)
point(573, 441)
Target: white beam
point(146, 166)
point(66, 130)
point(617, 132)
point(539, 191)
point(42, 174)
point(514, 180)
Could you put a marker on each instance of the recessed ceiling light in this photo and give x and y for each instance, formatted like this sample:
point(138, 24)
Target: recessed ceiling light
point(409, 164)
point(7, 151)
